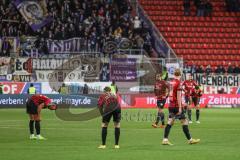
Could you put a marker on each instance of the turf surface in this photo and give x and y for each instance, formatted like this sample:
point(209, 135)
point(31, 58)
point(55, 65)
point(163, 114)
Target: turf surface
point(219, 133)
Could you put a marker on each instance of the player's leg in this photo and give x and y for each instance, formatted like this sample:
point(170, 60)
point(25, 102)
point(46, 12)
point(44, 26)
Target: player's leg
point(31, 111)
point(37, 119)
point(197, 110)
point(186, 131)
point(31, 126)
point(170, 123)
point(116, 120)
point(160, 115)
point(189, 110)
point(105, 120)
point(117, 134)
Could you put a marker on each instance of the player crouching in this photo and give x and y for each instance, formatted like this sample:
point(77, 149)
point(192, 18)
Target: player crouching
point(34, 106)
point(109, 107)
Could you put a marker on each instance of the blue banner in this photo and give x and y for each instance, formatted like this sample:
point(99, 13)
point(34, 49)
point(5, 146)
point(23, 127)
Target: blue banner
point(34, 12)
point(78, 101)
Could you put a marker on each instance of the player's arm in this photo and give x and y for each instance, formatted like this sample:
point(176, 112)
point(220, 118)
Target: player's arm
point(184, 87)
point(155, 89)
point(195, 83)
point(167, 90)
point(200, 93)
point(100, 104)
point(40, 107)
point(179, 98)
point(46, 100)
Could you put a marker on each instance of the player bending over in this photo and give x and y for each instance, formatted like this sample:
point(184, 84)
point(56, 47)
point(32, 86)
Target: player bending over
point(196, 94)
point(109, 107)
point(188, 86)
point(34, 106)
point(175, 110)
point(161, 90)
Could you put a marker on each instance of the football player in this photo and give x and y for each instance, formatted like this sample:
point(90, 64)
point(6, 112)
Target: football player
point(34, 106)
point(176, 111)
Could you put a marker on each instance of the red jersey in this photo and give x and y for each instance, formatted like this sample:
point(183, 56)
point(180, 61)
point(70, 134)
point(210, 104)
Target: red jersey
point(175, 86)
point(160, 89)
point(189, 85)
point(196, 93)
point(38, 99)
point(107, 100)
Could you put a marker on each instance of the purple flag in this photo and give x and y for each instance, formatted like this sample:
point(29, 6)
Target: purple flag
point(34, 12)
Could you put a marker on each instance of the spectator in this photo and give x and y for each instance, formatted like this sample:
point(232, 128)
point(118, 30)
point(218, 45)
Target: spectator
point(236, 70)
point(199, 69)
point(31, 89)
point(114, 88)
point(6, 47)
point(63, 89)
point(220, 70)
point(85, 89)
point(186, 6)
point(232, 5)
point(187, 69)
point(193, 69)
point(230, 68)
point(136, 25)
point(208, 70)
point(208, 8)
point(201, 8)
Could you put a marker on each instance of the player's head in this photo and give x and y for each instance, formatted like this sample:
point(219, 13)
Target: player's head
point(197, 87)
point(107, 89)
point(52, 106)
point(177, 73)
point(190, 77)
point(158, 77)
point(31, 85)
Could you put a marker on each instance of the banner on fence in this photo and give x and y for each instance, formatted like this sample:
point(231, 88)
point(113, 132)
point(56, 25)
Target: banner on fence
point(82, 101)
point(217, 80)
point(4, 65)
point(149, 101)
point(19, 87)
point(123, 69)
point(67, 46)
point(23, 66)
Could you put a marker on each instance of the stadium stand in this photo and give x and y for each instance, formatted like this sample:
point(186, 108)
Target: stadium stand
point(198, 39)
point(95, 21)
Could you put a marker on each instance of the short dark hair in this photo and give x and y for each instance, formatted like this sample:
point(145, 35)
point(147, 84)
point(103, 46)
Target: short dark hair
point(197, 87)
point(107, 89)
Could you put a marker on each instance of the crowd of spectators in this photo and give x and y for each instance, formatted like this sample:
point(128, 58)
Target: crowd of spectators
point(203, 7)
point(96, 21)
point(230, 69)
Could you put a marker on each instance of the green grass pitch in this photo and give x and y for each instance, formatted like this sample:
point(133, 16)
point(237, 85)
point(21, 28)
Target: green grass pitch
point(219, 132)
